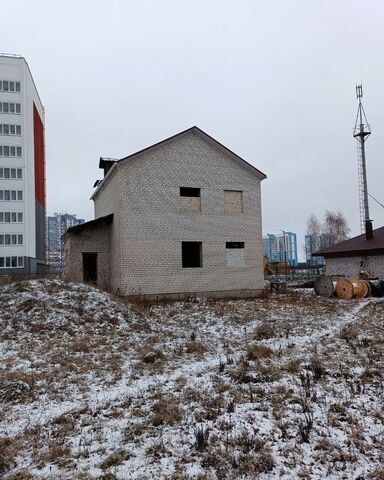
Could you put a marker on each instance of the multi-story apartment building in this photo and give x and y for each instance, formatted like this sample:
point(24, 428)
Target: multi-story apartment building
point(314, 243)
point(281, 247)
point(58, 224)
point(22, 170)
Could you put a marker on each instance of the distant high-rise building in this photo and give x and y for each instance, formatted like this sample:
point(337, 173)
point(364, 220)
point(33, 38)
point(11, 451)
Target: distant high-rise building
point(23, 231)
point(57, 226)
point(281, 247)
point(314, 243)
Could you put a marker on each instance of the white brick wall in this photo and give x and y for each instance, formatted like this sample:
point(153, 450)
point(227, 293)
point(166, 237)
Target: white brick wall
point(151, 220)
point(351, 266)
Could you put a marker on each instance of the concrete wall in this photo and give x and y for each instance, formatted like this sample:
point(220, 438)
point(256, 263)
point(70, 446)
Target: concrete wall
point(351, 266)
point(92, 240)
point(155, 220)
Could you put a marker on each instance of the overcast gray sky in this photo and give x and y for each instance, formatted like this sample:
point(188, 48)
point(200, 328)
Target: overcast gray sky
point(274, 81)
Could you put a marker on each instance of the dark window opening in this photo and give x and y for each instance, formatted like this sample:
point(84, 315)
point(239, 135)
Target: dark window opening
point(191, 253)
point(189, 192)
point(234, 245)
point(90, 267)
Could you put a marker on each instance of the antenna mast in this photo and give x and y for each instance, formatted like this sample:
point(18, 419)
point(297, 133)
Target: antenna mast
point(361, 132)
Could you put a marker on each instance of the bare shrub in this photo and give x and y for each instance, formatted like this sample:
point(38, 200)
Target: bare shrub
point(195, 346)
point(305, 427)
point(7, 453)
point(166, 411)
point(201, 437)
point(256, 352)
point(264, 331)
point(115, 458)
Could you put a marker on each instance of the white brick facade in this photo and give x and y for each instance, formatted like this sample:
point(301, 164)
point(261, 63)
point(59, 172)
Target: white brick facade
point(151, 220)
point(351, 266)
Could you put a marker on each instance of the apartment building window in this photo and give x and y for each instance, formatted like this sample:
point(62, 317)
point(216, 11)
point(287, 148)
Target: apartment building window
point(11, 195)
point(10, 107)
point(11, 173)
point(11, 239)
point(9, 86)
point(192, 254)
point(233, 201)
point(11, 262)
point(235, 254)
point(10, 151)
point(10, 129)
point(11, 217)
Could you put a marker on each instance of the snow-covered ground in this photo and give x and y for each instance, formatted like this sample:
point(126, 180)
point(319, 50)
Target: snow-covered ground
point(289, 386)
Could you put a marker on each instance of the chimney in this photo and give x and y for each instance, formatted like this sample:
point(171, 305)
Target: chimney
point(368, 230)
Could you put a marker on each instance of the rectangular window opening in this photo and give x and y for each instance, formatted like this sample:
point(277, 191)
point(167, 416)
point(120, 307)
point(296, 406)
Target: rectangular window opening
point(189, 192)
point(234, 245)
point(191, 253)
point(235, 254)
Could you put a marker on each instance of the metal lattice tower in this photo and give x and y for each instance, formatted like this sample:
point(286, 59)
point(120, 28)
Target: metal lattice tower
point(361, 132)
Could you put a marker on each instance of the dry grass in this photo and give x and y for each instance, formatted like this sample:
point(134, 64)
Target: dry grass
point(94, 388)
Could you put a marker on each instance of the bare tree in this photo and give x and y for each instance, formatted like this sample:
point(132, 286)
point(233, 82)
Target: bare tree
point(313, 225)
point(335, 227)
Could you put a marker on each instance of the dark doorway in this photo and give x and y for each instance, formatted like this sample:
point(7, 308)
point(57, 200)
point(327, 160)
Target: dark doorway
point(90, 267)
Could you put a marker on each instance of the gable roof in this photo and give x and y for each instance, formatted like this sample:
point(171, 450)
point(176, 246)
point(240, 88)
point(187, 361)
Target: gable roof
point(356, 246)
point(207, 137)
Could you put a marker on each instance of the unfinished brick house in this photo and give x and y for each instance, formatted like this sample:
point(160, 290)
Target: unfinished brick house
point(180, 217)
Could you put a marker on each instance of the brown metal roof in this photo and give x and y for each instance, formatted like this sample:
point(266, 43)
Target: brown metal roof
point(356, 246)
point(90, 224)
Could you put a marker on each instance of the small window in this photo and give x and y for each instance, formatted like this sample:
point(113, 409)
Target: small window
point(13, 194)
point(18, 108)
point(18, 129)
point(191, 253)
point(19, 173)
point(6, 172)
point(7, 217)
point(20, 239)
point(235, 254)
point(189, 192)
point(7, 239)
point(11, 108)
point(6, 129)
point(11, 86)
point(20, 217)
point(20, 261)
point(1, 262)
point(234, 245)
point(18, 151)
point(17, 86)
point(7, 261)
point(7, 195)
point(5, 85)
point(14, 262)
point(13, 217)
point(19, 195)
